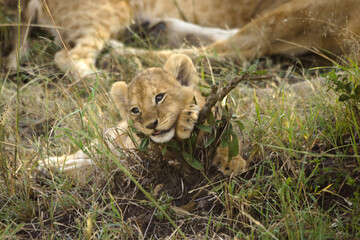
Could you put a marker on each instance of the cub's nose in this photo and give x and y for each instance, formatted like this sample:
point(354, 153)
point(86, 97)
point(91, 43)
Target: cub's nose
point(152, 125)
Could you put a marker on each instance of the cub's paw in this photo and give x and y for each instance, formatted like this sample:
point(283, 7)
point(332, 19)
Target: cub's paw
point(186, 121)
point(221, 162)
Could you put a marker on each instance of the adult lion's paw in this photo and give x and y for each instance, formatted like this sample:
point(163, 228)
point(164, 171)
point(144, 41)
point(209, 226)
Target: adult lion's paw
point(186, 121)
point(67, 164)
point(221, 162)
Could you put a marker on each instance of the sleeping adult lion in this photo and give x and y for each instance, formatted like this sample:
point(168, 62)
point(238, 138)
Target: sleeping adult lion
point(237, 29)
point(161, 103)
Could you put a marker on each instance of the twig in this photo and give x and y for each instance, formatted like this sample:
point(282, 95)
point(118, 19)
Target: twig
point(218, 94)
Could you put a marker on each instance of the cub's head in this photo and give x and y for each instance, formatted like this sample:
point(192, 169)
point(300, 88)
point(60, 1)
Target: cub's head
point(154, 99)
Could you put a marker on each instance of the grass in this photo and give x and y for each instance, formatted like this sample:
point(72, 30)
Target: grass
point(302, 143)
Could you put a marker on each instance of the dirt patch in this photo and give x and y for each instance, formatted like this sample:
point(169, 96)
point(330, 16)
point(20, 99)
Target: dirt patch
point(183, 192)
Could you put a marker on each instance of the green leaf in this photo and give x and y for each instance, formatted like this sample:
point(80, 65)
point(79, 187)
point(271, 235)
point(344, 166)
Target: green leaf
point(348, 87)
point(210, 141)
point(357, 91)
point(240, 125)
point(257, 108)
point(163, 150)
point(234, 146)
point(218, 122)
point(205, 94)
point(67, 130)
point(210, 119)
point(225, 141)
point(252, 68)
point(144, 144)
point(132, 128)
point(192, 161)
point(173, 145)
point(260, 72)
point(343, 97)
point(205, 128)
point(226, 137)
point(242, 73)
point(226, 107)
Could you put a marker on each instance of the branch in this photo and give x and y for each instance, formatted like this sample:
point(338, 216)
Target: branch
point(218, 94)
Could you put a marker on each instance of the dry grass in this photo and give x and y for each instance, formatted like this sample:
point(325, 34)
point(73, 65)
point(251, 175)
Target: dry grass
point(302, 143)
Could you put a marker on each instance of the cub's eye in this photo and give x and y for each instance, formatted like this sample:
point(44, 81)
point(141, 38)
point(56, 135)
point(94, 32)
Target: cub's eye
point(159, 97)
point(135, 111)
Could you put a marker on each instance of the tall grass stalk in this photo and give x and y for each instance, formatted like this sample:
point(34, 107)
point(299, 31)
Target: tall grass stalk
point(18, 81)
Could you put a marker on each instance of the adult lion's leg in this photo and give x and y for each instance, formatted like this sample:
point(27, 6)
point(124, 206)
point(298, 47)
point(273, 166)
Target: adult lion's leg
point(116, 141)
point(80, 59)
point(293, 29)
point(173, 33)
point(83, 29)
point(66, 163)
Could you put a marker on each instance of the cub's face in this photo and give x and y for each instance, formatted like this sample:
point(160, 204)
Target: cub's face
point(155, 98)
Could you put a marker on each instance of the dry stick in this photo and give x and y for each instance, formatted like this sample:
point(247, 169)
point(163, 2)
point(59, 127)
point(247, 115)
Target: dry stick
point(218, 94)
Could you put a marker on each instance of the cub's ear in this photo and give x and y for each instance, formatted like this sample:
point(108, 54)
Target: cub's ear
point(184, 70)
point(119, 92)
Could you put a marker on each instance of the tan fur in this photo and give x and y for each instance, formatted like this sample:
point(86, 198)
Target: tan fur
point(173, 115)
point(256, 27)
point(178, 97)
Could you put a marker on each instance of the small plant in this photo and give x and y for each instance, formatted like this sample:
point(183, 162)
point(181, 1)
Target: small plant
point(345, 81)
point(163, 202)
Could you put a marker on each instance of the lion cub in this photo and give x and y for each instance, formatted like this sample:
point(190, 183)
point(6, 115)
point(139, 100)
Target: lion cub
point(160, 103)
